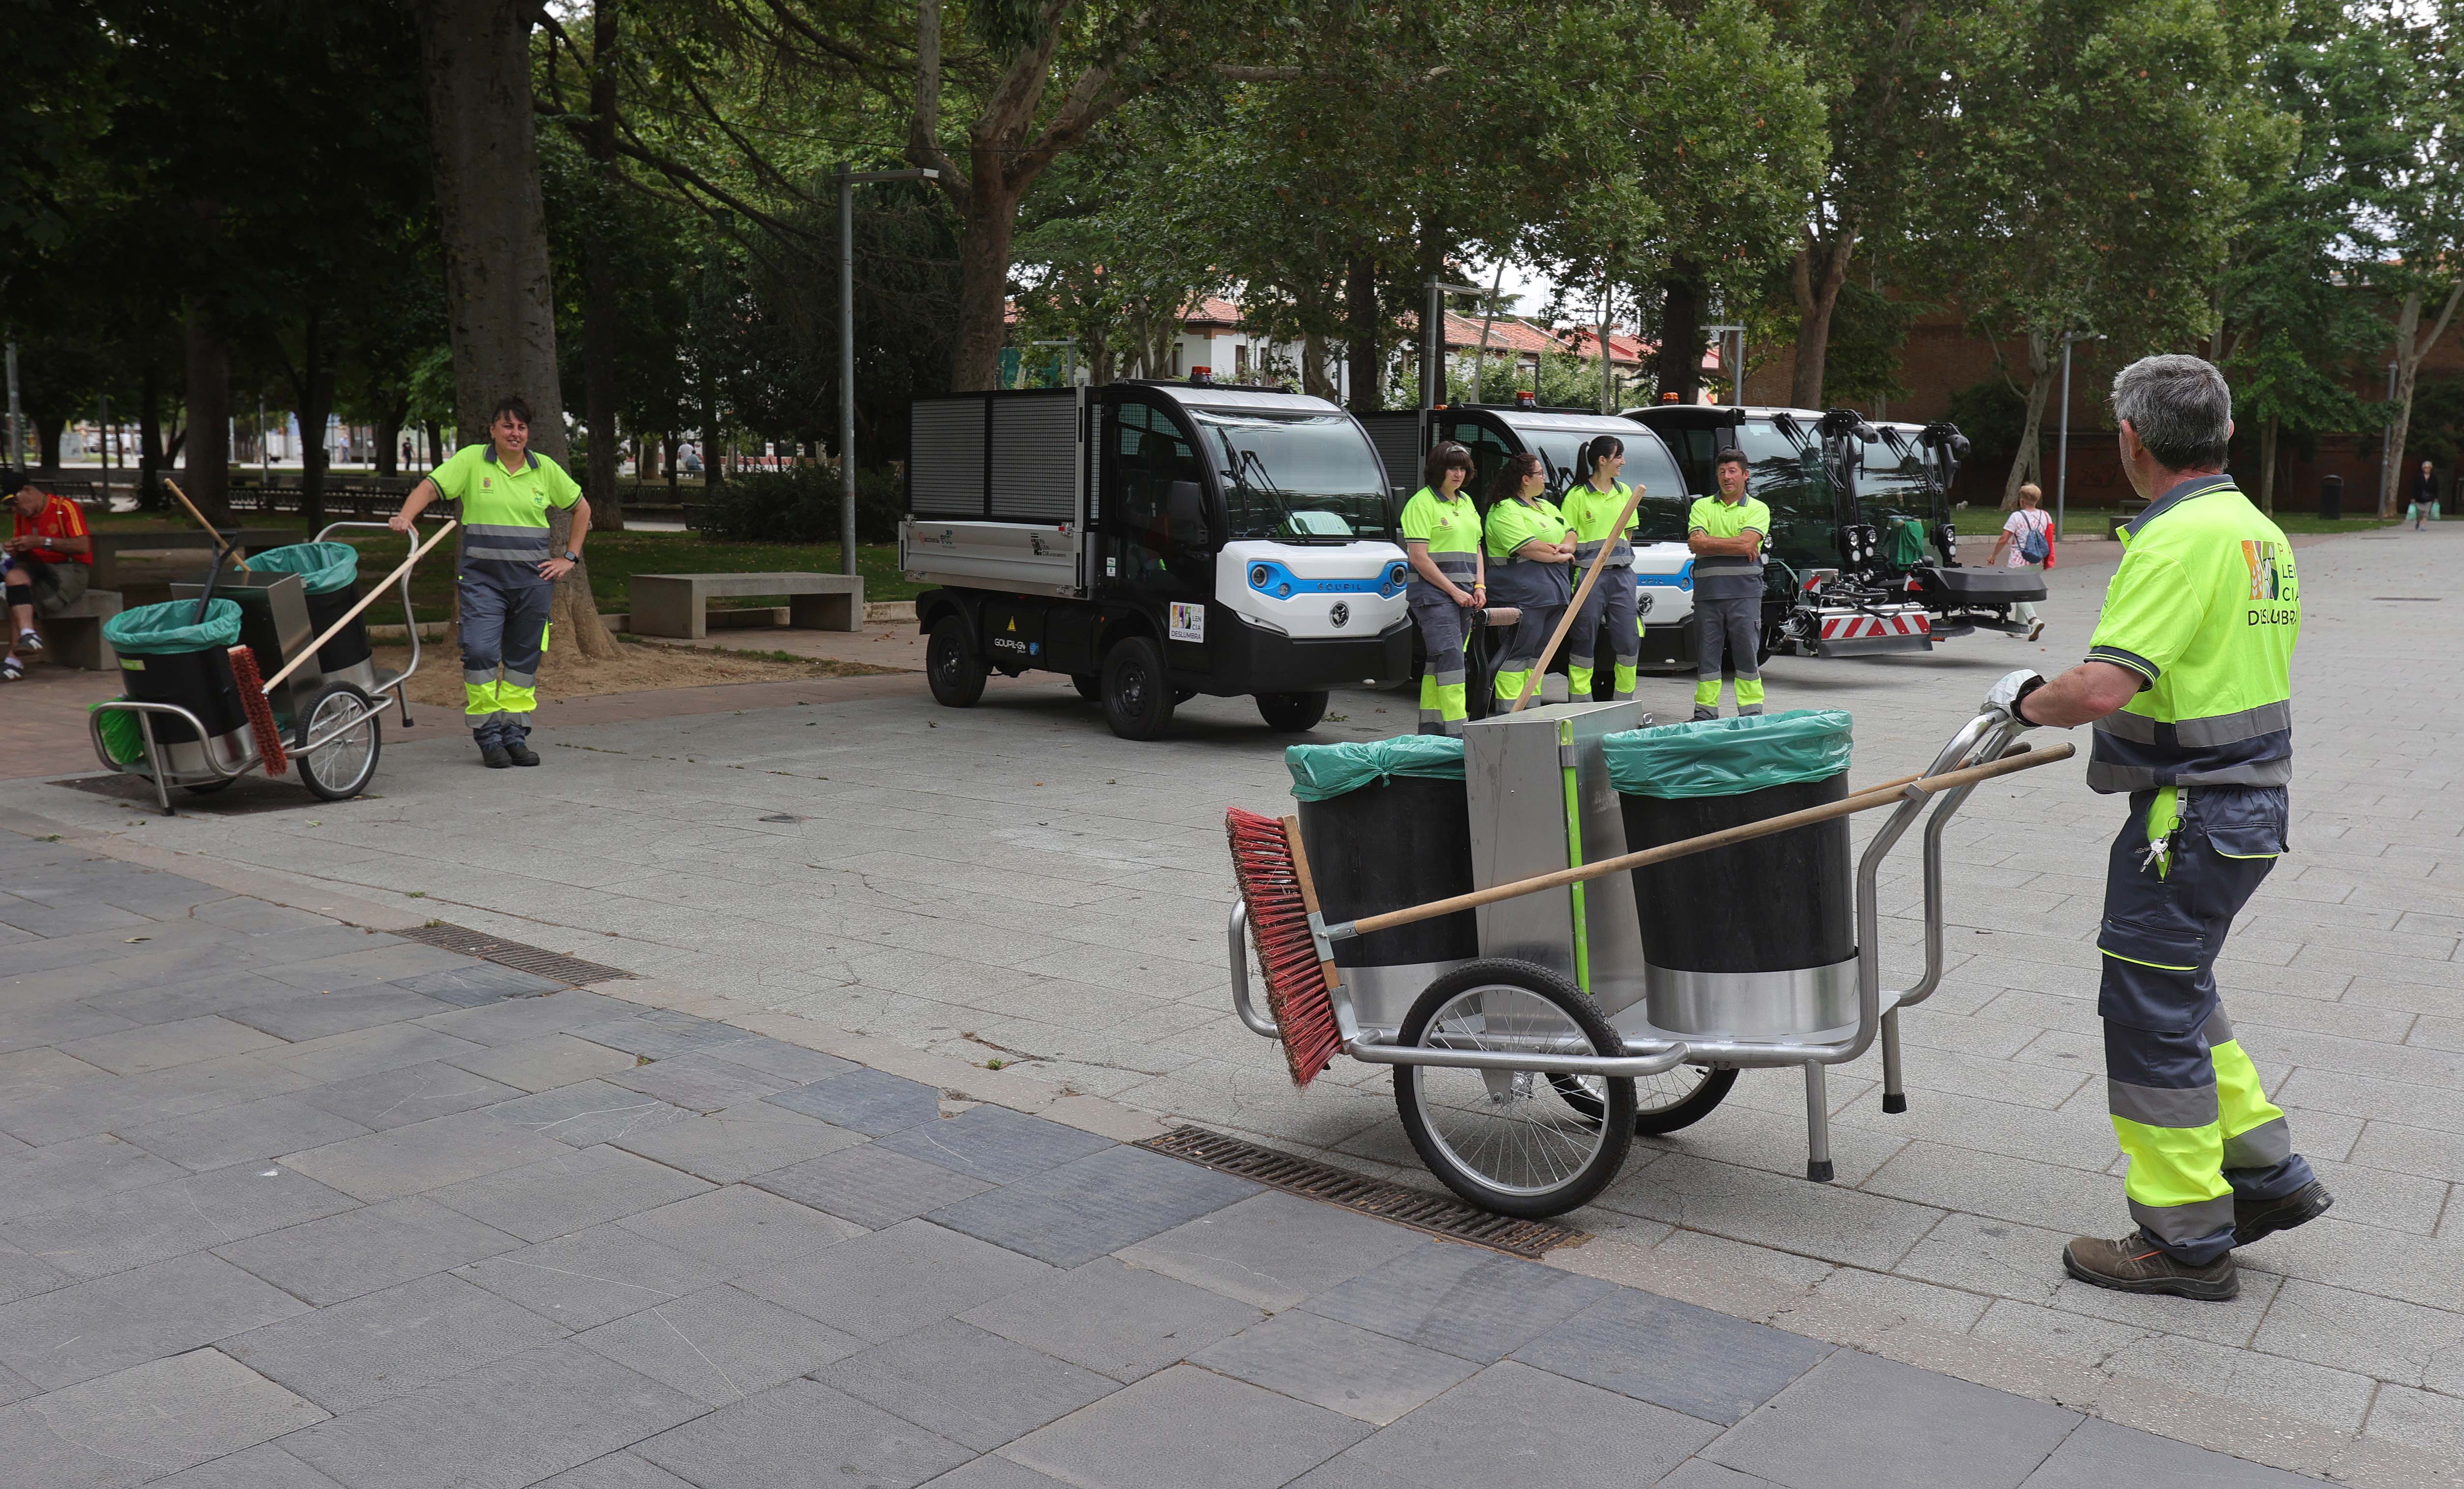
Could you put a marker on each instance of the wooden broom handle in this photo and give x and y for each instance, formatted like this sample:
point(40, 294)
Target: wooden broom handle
point(370, 597)
point(210, 529)
point(1566, 622)
point(2023, 758)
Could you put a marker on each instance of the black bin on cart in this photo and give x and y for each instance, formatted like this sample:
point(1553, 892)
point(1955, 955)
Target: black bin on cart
point(1756, 940)
point(168, 656)
point(1386, 825)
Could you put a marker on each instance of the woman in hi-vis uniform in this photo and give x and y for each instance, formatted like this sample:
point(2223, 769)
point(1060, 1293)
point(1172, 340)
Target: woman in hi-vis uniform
point(1532, 550)
point(1448, 594)
point(1592, 506)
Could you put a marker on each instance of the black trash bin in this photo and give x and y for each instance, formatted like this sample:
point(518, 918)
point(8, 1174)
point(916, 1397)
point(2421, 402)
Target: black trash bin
point(2331, 499)
point(329, 574)
point(168, 656)
point(1756, 940)
point(1386, 825)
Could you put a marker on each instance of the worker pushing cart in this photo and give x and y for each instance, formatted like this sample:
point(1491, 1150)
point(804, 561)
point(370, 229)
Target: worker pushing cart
point(506, 575)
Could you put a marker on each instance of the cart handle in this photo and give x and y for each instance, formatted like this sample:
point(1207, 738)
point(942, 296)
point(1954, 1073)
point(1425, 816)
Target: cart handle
point(2019, 759)
point(353, 613)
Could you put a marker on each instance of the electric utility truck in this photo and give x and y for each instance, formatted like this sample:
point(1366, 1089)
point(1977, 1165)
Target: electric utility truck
point(1153, 541)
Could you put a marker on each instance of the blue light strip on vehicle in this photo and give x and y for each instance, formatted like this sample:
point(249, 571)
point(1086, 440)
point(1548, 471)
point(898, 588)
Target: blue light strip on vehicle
point(1275, 581)
point(1682, 579)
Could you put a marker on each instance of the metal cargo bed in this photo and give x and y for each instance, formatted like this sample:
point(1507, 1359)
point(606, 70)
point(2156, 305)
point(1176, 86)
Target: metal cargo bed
point(997, 490)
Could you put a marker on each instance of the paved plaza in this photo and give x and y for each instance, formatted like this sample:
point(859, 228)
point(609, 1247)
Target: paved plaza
point(241, 1242)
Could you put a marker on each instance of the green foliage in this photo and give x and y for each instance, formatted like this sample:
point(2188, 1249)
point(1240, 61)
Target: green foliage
point(1867, 331)
point(1561, 381)
point(802, 506)
point(1994, 418)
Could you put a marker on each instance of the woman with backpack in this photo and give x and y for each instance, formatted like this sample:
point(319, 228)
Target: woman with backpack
point(2029, 535)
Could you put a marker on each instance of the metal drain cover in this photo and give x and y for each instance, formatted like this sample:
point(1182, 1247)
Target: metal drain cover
point(1436, 1214)
point(516, 954)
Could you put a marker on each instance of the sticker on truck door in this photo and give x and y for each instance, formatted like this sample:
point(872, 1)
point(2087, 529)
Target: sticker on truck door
point(1188, 622)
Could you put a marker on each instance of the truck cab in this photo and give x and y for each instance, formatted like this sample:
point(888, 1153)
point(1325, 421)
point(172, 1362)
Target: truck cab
point(1664, 565)
point(1155, 541)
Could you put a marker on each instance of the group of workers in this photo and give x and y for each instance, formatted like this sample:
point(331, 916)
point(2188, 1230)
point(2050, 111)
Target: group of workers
point(1520, 566)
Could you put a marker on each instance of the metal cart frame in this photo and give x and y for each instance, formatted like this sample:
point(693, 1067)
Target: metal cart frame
point(245, 756)
point(1982, 739)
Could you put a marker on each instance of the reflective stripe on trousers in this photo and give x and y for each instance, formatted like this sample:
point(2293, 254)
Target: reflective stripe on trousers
point(504, 628)
point(2186, 1101)
point(1444, 703)
point(1730, 631)
point(1610, 603)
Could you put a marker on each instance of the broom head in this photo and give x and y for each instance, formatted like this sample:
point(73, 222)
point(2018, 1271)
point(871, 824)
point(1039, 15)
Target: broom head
point(1265, 861)
point(121, 739)
point(261, 710)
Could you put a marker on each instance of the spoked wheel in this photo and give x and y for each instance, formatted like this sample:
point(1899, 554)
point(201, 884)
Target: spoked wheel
point(1664, 1103)
point(343, 767)
point(1503, 1139)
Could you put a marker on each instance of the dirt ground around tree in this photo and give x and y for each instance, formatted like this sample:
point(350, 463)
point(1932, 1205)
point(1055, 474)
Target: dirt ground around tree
point(637, 666)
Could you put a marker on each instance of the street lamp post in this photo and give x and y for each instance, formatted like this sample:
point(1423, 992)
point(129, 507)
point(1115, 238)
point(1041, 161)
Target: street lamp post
point(16, 417)
point(850, 178)
point(2062, 456)
point(1736, 369)
point(1432, 342)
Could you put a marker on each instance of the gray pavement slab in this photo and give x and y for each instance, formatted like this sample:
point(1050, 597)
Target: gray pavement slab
point(1492, 1427)
point(514, 1020)
point(569, 1192)
point(1272, 1250)
point(1116, 1320)
point(967, 1385)
point(397, 1098)
point(616, 1471)
point(720, 1344)
point(129, 1229)
point(163, 1045)
point(871, 1102)
point(995, 1144)
point(871, 1184)
point(895, 1282)
point(589, 1113)
point(593, 1277)
point(237, 1134)
point(315, 1015)
point(546, 1061)
point(699, 1082)
point(742, 1229)
point(738, 1143)
point(361, 1251)
point(424, 1156)
point(161, 1417)
point(265, 1466)
point(1673, 1355)
point(795, 1429)
point(389, 1343)
point(1191, 1428)
point(1368, 1377)
point(1092, 1205)
point(1460, 1300)
point(2100, 1455)
point(1856, 1418)
point(115, 1323)
point(512, 1423)
point(67, 1172)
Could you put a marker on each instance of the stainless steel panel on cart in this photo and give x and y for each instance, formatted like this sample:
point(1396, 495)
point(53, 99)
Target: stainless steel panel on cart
point(272, 623)
point(1518, 829)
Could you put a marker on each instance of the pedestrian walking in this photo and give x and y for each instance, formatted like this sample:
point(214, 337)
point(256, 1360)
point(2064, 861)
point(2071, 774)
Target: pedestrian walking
point(1727, 533)
point(2189, 683)
point(2028, 537)
point(1530, 555)
point(1592, 508)
point(1449, 586)
point(2425, 495)
point(507, 573)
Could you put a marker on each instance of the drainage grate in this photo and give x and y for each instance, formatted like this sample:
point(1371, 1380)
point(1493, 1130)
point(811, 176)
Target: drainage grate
point(1436, 1215)
point(513, 954)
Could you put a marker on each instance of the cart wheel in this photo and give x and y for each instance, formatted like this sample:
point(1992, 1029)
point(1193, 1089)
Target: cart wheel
point(207, 788)
point(951, 666)
point(1502, 1138)
point(1664, 1103)
point(344, 767)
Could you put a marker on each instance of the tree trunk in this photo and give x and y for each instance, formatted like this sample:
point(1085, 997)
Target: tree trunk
point(315, 392)
point(206, 473)
point(1815, 276)
point(2267, 465)
point(388, 439)
point(1681, 331)
point(500, 299)
point(150, 437)
point(1316, 380)
point(435, 445)
point(2028, 464)
point(47, 440)
point(983, 277)
point(599, 278)
point(1363, 350)
point(2408, 355)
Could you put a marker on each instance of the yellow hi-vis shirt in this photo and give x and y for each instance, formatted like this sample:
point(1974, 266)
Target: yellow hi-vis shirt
point(504, 512)
point(1451, 527)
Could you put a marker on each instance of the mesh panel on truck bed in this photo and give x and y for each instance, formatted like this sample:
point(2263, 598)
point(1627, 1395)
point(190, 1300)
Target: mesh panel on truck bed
point(996, 457)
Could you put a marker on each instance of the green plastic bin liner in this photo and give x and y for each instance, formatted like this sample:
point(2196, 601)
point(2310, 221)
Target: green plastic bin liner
point(322, 567)
point(173, 628)
point(1728, 756)
point(1907, 539)
point(1320, 772)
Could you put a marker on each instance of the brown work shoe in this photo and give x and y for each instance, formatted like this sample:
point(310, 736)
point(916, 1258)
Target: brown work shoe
point(2254, 1218)
point(2136, 1264)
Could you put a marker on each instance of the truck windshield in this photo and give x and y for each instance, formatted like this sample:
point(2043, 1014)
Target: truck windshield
point(1296, 477)
point(1894, 481)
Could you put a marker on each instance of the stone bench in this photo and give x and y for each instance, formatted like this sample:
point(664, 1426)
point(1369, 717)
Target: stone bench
point(74, 637)
point(678, 604)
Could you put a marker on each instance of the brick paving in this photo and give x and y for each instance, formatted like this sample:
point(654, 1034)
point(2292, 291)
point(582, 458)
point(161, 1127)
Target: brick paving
point(294, 1204)
point(1011, 884)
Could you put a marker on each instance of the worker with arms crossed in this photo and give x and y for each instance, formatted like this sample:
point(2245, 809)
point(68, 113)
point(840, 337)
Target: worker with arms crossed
point(1591, 507)
point(1727, 533)
point(507, 573)
point(2189, 683)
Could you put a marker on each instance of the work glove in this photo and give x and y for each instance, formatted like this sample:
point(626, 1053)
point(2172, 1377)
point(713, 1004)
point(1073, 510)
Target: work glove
point(2003, 698)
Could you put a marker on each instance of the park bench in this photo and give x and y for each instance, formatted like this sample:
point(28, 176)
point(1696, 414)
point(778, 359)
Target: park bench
point(142, 564)
point(74, 637)
point(678, 604)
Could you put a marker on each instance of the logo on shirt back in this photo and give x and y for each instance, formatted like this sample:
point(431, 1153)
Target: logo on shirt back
point(2270, 565)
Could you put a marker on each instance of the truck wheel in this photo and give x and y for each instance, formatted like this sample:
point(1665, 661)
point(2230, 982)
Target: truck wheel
point(1291, 712)
point(951, 664)
point(1137, 692)
point(1090, 686)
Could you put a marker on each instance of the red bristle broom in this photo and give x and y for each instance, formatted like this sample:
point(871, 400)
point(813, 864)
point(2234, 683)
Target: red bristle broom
point(1295, 945)
point(260, 711)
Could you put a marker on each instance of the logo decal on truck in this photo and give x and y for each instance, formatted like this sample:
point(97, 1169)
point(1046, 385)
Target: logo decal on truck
point(1188, 622)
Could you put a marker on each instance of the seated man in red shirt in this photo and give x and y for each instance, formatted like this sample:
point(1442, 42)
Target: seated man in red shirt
point(48, 558)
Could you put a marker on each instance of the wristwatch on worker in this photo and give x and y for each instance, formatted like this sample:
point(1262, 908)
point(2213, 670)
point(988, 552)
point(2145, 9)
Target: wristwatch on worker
point(572, 556)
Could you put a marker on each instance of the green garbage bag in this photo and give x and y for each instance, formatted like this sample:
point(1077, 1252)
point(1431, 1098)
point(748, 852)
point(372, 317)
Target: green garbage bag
point(171, 628)
point(1728, 756)
point(1908, 542)
point(322, 567)
point(1320, 772)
